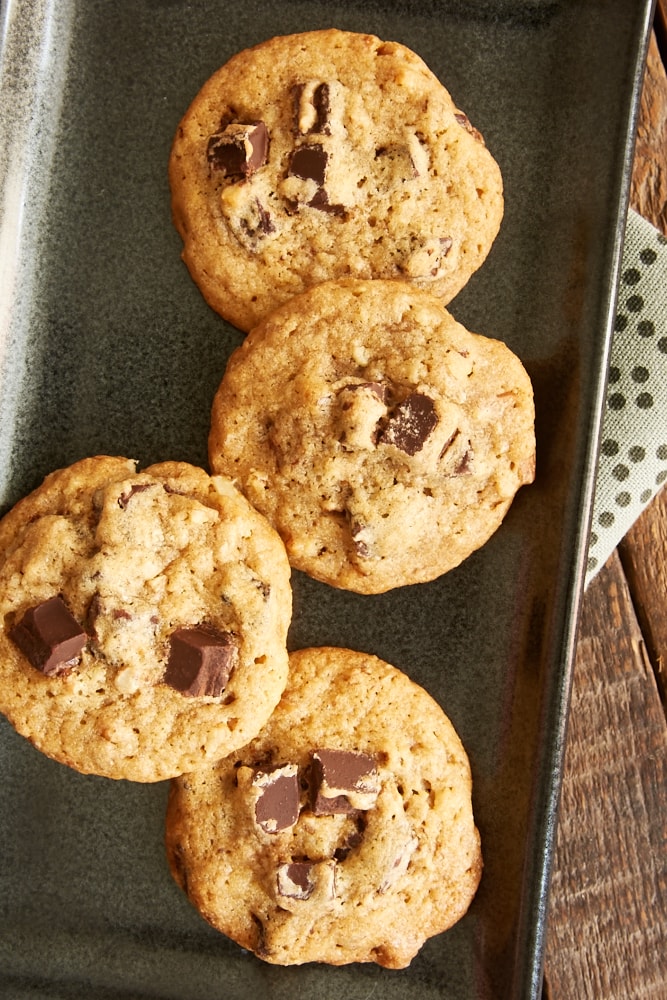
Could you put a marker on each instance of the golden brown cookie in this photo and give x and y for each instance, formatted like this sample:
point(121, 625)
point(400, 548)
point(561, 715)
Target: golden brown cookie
point(344, 832)
point(383, 440)
point(143, 618)
point(326, 154)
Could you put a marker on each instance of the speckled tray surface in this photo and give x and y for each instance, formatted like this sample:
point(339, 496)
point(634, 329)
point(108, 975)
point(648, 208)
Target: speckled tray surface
point(107, 346)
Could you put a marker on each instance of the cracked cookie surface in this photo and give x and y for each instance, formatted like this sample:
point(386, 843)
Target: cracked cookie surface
point(383, 440)
point(344, 832)
point(326, 154)
point(143, 618)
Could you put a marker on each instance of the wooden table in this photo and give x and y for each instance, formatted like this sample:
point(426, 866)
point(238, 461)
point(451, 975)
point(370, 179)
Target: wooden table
point(607, 921)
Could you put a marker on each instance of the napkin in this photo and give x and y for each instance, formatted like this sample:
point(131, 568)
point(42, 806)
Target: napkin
point(632, 463)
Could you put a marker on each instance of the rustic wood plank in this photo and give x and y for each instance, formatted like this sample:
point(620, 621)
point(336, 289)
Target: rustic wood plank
point(648, 192)
point(643, 553)
point(608, 905)
point(660, 26)
point(607, 926)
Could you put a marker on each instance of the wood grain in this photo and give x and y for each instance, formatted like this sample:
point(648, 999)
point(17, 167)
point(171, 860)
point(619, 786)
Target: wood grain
point(607, 918)
point(643, 557)
point(608, 905)
point(648, 194)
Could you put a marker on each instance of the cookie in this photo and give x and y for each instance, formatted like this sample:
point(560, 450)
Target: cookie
point(143, 618)
point(344, 832)
point(322, 155)
point(383, 440)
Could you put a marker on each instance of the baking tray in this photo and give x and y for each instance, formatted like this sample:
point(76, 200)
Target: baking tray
point(107, 346)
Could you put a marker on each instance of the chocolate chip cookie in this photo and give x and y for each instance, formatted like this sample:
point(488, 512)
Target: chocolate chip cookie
point(143, 618)
point(326, 154)
point(383, 440)
point(344, 832)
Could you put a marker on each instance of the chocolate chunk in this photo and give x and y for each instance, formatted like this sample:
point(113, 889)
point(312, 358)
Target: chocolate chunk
point(265, 222)
point(410, 424)
point(465, 464)
point(300, 880)
point(296, 880)
point(342, 781)
point(320, 200)
point(94, 610)
point(311, 108)
point(277, 805)
point(353, 839)
point(201, 660)
point(468, 126)
point(356, 531)
point(377, 389)
point(309, 163)
point(239, 150)
point(260, 946)
point(320, 101)
point(254, 223)
point(360, 410)
point(49, 636)
point(124, 498)
point(120, 613)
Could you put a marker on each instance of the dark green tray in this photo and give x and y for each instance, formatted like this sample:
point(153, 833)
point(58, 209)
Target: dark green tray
point(107, 346)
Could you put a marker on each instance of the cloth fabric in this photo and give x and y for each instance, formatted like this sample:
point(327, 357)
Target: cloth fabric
point(633, 452)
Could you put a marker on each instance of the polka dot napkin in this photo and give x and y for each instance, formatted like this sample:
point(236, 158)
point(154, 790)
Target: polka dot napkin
point(633, 451)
